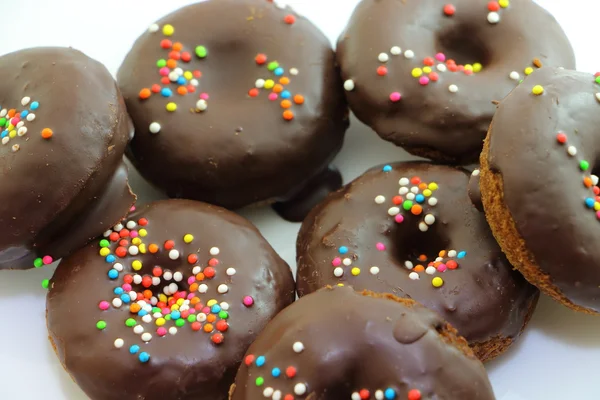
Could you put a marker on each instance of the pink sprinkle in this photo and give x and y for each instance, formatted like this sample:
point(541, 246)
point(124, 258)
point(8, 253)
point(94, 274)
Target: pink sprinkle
point(395, 97)
point(165, 311)
point(424, 80)
point(161, 331)
point(191, 280)
point(206, 310)
point(204, 96)
point(103, 305)
point(248, 301)
point(399, 218)
point(190, 296)
point(47, 260)
point(598, 214)
point(442, 268)
point(440, 57)
point(380, 246)
point(273, 96)
point(132, 209)
point(164, 71)
point(126, 287)
point(336, 262)
point(15, 121)
point(133, 234)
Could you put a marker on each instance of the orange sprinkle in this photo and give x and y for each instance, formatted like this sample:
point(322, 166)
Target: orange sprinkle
point(11, 113)
point(193, 287)
point(200, 276)
point(208, 328)
point(284, 80)
point(47, 133)
point(416, 209)
point(299, 99)
point(288, 115)
point(134, 308)
point(182, 90)
point(419, 268)
point(286, 104)
point(437, 264)
point(148, 294)
point(177, 46)
point(278, 88)
point(422, 257)
point(153, 248)
point(195, 300)
point(423, 186)
point(145, 93)
point(442, 253)
point(587, 181)
point(211, 317)
point(172, 64)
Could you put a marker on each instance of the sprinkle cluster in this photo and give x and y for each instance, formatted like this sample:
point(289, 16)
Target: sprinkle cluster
point(13, 123)
point(515, 76)
point(494, 7)
point(175, 80)
point(445, 261)
point(276, 86)
point(597, 80)
point(179, 305)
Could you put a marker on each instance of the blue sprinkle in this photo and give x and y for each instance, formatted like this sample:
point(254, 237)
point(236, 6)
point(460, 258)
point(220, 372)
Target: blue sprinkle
point(390, 393)
point(118, 291)
point(141, 313)
point(125, 297)
point(461, 254)
point(113, 274)
point(134, 349)
point(260, 361)
point(215, 309)
point(175, 314)
point(343, 250)
point(286, 94)
point(110, 258)
point(34, 106)
point(420, 198)
point(181, 80)
point(166, 92)
point(4, 133)
point(589, 202)
point(278, 71)
point(144, 357)
point(387, 168)
point(276, 372)
point(24, 113)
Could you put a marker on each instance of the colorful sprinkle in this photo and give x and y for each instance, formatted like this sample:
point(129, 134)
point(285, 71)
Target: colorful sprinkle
point(537, 90)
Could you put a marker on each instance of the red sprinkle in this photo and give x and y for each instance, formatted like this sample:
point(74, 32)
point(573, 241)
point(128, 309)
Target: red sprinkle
point(209, 272)
point(169, 244)
point(451, 264)
point(155, 89)
point(428, 61)
point(166, 44)
point(261, 59)
point(414, 394)
point(186, 57)
point(415, 180)
point(493, 6)
point(175, 55)
point(382, 71)
point(249, 359)
point(217, 338)
point(289, 19)
point(561, 138)
point(449, 10)
point(364, 394)
point(290, 372)
point(192, 259)
point(253, 92)
point(397, 200)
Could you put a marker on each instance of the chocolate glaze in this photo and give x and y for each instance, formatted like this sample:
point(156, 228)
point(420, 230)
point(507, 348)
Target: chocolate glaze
point(240, 150)
point(58, 194)
point(474, 191)
point(430, 120)
point(483, 298)
point(543, 184)
point(298, 207)
point(188, 365)
point(352, 342)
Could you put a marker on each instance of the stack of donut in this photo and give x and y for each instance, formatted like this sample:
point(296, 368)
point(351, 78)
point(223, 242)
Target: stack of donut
point(408, 278)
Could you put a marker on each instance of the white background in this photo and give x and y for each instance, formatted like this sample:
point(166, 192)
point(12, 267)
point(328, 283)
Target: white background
point(557, 358)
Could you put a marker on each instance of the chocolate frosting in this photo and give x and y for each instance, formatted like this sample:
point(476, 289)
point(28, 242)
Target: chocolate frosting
point(544, 188)
point(56, 194)
point(353, 236)
point(431, 120)
point(240, 150)
point(189, 364)
point(351, 343)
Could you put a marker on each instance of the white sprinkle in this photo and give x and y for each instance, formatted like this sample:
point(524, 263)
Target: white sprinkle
point(268, 392)
point(196, 270)
point(153, 28)
point(403, 190)
point(184, 308)
point(493, 17)
point(202, 288)
point(300, 389)
point(414, 189)
point(132, 295)
point(514, 76)
point(173, 330)
point(201, 317)
point(5, 139)
point(194, 82)
point(3, 112)
point(173, 76)
point(595, 180)
point(403, 181)
point(15, 148)
point(173, 287)
point(138, 329)
point(147, 318)
point(260, 83)
point(409, 54)
point(572, 150)
point(133, 250)
point(355, 396)
point(131, 224)
point(107, 233)
point(452, 253)
point(166, 290)
point(20, 124)
point(119, 343)
point(146, 337)
point(393, 211)
point(347, 262)
point(277, 395)
point(410, 196)
point(374, 270)
point(338, 272)
point(379, 199)
point(230, 271)
point(598, 96)
point(25, 100)
point(167, 275)
point(154, 127)
point(178, 276)
point(214, 251)
point(423, 227)
point(154, 301)
point(414, 276)
point(349, 85)
point(442, 67)
point(224, 306)
point(475, 172)
point(202, 105)
point(383, 57)
point(379, 395)
point(178, 71)
point(453, 88)
point(294, 71)
point(118, 227)
point(223, 288)
point(439, 259)
point(30, 117)
point(429, 219)
point(432, 201)
point(137, 279)
point(298, 347)
point(117, 303)
point(430, 270)
point(408, 265)
point(155, 281)
point(396, 51)
point(173, 254)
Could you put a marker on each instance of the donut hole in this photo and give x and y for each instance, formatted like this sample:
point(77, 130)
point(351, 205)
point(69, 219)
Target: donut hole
point(463, 44)
point(418, 248)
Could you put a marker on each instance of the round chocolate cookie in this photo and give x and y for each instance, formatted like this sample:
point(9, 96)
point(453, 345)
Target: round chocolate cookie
point(235, 102)
point(339, 344)
point(423, 73)
point(63, 129)
point(165, 306)
point(410, 229)
point(539, 184)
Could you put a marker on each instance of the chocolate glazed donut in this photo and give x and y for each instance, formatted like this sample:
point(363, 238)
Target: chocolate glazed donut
point(337, 344)
point(423, 73)
point(410, 229)
point(539, 184)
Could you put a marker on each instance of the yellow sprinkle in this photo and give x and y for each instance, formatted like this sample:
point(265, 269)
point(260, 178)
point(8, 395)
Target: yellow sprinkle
point(168, 30)
point(162, 297)
point(188, 75)
point(179, 302)
point(504, 3)
point(12, 134)
point(596, 206)
point(171, 106)
point(136, 241)
point(427, 69)
point(528, 71)
point(104, 251)
point(442, 253)
point(427, 193)
point(136, 265)
point(433, 186)
point(211, 302)
point(468, 67)
point(160, 322)
point(417, 72)
point(437, 281)
point(175, 307)
point(142, 232)
point(142, 248)
point(340, 284)
point(477, 67)
point(269, 83)
point(355, 271)
point(188, 238)
point(537, 90)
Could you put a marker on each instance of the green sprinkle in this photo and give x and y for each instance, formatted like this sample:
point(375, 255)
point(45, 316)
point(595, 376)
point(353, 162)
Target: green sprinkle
point(180, 322)
point(191, 318)
point(584, 165)
point(259, 381)
point(38, 263)
point(101, 325)
point(407, 205)
point(161, 63)
point(273, 65)
point(223, 315)
point(2, 121)
point(598, 79)
point(167, 317)
point(45, 283)
point(155, 310)
point(201, 51)
point(130, 322)
point(104, 243)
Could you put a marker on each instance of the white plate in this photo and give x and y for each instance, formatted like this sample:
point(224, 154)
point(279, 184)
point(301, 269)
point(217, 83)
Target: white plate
point(558, 356)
